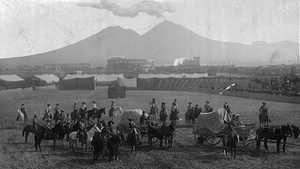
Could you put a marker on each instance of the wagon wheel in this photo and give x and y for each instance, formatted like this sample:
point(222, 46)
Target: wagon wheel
point(213, 140)
point(247, 142)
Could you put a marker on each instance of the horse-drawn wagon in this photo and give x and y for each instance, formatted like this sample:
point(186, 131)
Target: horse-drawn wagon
point(210, 127)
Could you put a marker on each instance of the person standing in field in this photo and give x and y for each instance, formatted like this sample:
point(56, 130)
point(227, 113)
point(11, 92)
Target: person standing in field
point(174, 113)
point(163, 115)
point(153, 110)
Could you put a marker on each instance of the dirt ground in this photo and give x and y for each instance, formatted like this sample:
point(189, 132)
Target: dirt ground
point(15, 154)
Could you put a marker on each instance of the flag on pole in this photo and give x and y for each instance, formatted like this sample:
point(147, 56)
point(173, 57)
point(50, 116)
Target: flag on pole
point(227, 88)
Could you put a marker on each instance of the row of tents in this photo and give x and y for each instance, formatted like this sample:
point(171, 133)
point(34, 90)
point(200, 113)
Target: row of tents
point(68, 82)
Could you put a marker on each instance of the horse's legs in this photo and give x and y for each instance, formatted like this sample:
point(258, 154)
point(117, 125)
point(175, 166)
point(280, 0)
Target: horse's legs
point(54, 143)
point(258, 144)
point(278, 145)
point(266, 144)
point(284, 144)
point(26, 136)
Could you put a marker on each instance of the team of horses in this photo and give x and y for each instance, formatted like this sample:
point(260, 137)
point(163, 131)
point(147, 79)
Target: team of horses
point(106, 143)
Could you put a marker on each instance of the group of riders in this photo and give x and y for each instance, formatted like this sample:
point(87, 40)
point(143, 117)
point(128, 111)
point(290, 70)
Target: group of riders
point(82, 116)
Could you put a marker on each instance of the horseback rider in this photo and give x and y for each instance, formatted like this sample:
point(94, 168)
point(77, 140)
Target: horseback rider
point(188, 113)
point(132, 126)
point(228, 113)
point(264, 115)
point(83, 111)
point(153, 110)
point(58, 114)
point(112, 110)
point(34, 121)
point(236, 120)
point(94, 111)
point(163, 113)
point(74, 113)
point(110, 129)
point(196, 112)
point(48, 115)
point(174, 113)
point(207, 107)
point(143, 119)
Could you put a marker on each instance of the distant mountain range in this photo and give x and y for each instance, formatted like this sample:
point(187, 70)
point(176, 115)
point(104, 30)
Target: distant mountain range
point(163, 44)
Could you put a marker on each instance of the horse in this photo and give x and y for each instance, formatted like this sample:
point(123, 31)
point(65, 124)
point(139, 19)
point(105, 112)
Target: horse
point(21, 117)
point(162, 133)
point(295, 130)
point(85, 138)
point(29, 128)
point(113, 144)
point(58, 132)
point(98, 144)
point(132, 138)
point(277, 133)
point(230, 140)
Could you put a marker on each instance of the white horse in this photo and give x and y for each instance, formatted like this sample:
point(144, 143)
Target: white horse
point(87, 139)
point(21, 118)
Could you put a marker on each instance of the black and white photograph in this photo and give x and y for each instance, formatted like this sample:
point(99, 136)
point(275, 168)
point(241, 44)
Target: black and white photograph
point(149, 84)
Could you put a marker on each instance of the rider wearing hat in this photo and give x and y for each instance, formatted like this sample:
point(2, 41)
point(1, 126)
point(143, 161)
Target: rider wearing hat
point(132, 125)
point(207, 107)
point(58, 114)
point(189, 112)
point(83, 111)
point(112, 110)
point(48, 115)
point(163, 113)
point(174, 113)
point(153, 110)
point(75, 113)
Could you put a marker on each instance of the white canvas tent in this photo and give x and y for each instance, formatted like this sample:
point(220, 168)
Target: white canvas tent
point(48, 78)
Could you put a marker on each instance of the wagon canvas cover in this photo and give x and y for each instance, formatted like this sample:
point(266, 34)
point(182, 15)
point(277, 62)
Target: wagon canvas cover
point(210, 122)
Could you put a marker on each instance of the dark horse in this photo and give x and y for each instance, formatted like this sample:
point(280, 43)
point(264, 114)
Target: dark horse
point(230, 140)
point(277, 133)
point(29, 128)
point(132, 138)
point(113, 144)
point(95, 114)
point(162, 133)
point(98, 144)
point(58, 132)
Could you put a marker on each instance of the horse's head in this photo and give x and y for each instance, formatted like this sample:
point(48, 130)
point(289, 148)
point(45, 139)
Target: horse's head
point(287, 130)
point(295, 130)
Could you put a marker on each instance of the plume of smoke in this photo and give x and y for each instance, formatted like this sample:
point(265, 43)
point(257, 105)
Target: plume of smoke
point(149, 7)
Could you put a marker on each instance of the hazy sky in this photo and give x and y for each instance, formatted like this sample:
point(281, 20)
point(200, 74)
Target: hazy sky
point(35, 26)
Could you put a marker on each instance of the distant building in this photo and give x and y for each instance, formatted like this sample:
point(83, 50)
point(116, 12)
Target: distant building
point(67, 67)
point(123, 65)
point(195, 61)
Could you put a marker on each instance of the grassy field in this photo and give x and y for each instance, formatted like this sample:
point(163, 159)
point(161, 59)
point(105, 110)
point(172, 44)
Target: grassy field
point(185, 154)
